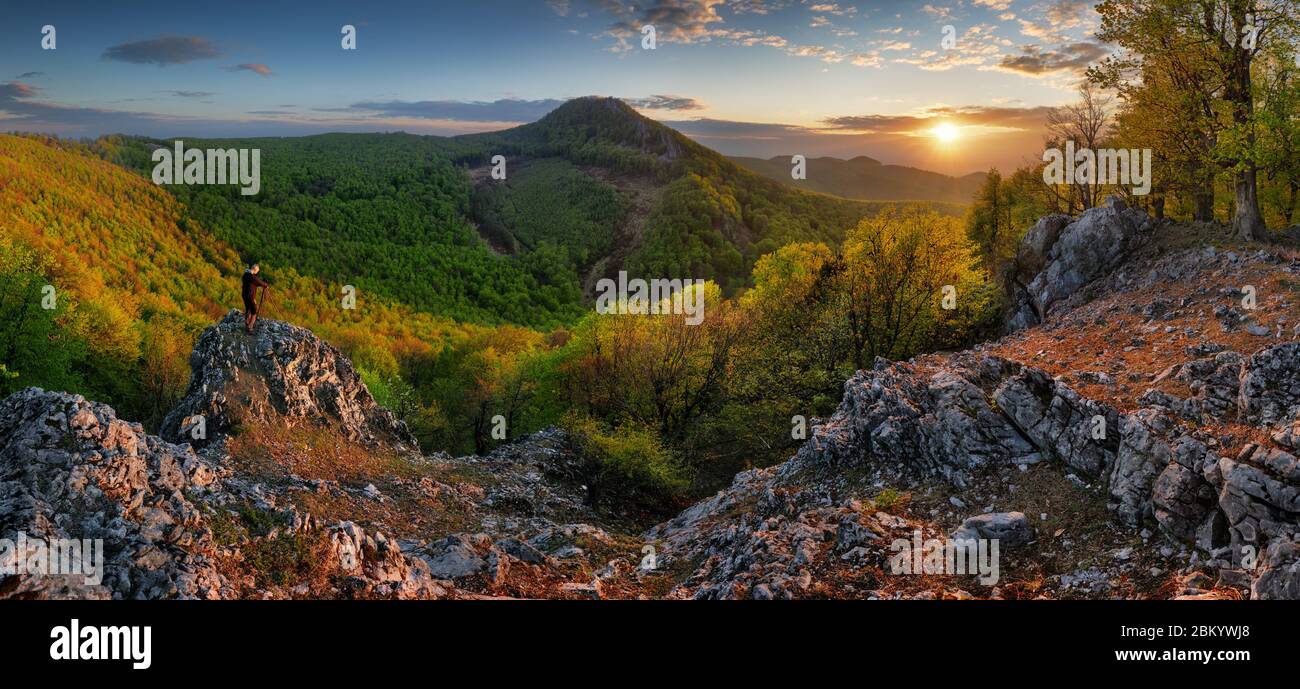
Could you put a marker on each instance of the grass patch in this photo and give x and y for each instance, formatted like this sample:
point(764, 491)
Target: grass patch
point(284, 560)
point(314, 452)
point(889, 500)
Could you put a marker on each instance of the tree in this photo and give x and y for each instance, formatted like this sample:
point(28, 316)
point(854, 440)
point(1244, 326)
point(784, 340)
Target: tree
point(1280, 126)
point(795, 340)
point(1167, 87)
point(1163, 110)
point(989, 222)
point(895, 271)
point(490, 379)
point(656, 370)
point(1208, 47)
point(164, 369)
point(34, 349)
point(1085, 122)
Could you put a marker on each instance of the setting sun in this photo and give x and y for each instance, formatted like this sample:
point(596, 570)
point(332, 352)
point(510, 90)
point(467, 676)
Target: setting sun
point(945, 132)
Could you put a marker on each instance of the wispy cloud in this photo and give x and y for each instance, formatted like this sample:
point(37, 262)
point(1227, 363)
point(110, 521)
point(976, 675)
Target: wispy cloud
point(503, 110)
point(679, 21)
point(937, 12)
point(14, 90)
point(163, 51)
point(1034, 60)
point(255, 67)
point(978, 45)
point(189, 94)
point(20, 102)
point(658, 102)
point(1000, 117)
point(507, 110)
point(833, 8)
point(706, 128)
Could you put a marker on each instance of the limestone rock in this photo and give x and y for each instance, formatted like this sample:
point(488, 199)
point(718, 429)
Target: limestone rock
point(70, 469)
point(1060, 255)
point(280, 374)
point(1008, 528)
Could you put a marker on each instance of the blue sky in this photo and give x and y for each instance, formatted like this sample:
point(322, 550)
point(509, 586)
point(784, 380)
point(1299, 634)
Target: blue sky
point(747, 77)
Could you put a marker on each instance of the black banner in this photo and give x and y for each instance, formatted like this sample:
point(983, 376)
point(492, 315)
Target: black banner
point(226, 640)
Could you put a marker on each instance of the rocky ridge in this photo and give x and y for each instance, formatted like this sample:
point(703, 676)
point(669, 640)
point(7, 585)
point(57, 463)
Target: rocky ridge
point(1190, 496)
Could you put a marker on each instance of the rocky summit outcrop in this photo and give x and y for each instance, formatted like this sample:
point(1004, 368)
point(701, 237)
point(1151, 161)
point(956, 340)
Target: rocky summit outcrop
point(1195, 461)
point(772, 529)
point(280, 374)
point(1173, 409)
point(1061, 254)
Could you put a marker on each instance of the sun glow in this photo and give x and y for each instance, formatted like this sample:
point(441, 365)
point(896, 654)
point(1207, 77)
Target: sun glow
point(945, 133)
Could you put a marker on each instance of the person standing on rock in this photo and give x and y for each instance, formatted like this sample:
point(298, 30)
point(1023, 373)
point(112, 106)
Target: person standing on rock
point(251, 283)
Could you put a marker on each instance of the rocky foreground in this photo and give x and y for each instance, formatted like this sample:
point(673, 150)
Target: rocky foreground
point(1136, 436)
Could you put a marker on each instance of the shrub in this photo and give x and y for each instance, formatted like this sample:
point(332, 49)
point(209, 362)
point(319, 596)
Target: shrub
point(626, 467)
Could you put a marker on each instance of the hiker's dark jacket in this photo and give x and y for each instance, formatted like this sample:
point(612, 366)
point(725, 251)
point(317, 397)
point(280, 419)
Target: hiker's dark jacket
point(251, 283)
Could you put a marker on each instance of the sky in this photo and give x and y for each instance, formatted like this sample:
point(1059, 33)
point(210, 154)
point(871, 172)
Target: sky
point(746, 77)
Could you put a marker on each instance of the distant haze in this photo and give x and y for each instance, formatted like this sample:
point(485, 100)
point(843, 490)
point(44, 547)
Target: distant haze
point(867, 179)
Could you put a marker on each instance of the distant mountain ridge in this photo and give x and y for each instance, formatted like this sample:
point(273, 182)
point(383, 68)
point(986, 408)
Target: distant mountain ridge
point(698, 213)
point(867, 179)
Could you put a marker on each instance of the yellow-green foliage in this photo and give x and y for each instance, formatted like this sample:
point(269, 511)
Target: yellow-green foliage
point(897, 267)
point(626, 464)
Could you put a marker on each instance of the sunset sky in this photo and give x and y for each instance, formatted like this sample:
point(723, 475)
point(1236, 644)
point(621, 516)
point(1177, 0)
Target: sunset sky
point(747, 77)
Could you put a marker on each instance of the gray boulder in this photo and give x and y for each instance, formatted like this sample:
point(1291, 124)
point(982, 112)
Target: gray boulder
point(1061, 422)
point(1008, 528)
point(1279, 573)
point(1259, 494)
point(1182, 500)
point(1059, 255)
point(1270, 386)
point(452, 558)
point(937, 425)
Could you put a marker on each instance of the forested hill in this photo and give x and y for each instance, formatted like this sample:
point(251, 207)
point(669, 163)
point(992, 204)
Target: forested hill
point(869, 179)
point(592, 188)
point(387, 213)
point(138, 269)
point(710, 218)
point(597, 131)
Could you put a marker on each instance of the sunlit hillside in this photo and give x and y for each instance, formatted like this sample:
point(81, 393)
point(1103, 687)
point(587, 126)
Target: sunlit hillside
point(136, 277)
